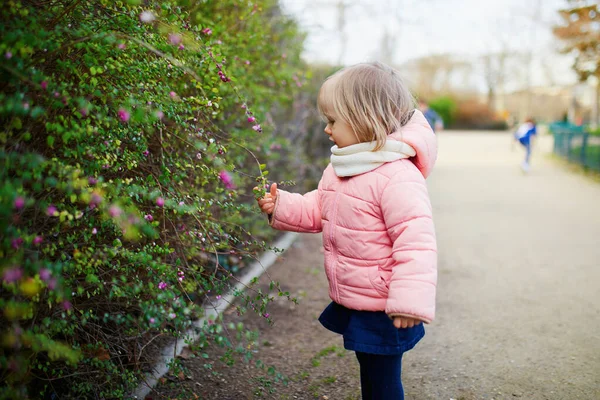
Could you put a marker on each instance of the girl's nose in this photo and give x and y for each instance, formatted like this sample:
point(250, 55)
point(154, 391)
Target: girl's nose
point(327, 129)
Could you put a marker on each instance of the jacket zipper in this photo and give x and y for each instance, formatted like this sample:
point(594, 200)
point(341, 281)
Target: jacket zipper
point(336, 293)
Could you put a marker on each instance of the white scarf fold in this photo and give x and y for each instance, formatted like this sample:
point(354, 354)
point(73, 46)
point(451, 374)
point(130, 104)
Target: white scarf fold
point(360, 158)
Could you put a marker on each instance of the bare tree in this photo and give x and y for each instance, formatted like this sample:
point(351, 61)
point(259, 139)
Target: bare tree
point(438, 74)
point(580, 34)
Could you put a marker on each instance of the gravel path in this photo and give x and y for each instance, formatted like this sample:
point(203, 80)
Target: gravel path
point(518, 293)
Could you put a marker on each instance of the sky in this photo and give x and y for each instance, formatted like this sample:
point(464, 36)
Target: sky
point(424, 27)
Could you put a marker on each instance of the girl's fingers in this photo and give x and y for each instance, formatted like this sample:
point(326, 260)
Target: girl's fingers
point(265, 201)
point(400, 322)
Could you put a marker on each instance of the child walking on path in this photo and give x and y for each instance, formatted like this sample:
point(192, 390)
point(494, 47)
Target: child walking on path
point(373, 209)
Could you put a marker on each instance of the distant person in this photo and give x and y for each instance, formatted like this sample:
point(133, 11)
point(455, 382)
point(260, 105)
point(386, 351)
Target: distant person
point(374, 213)
point(524, 135)
point(435, 121)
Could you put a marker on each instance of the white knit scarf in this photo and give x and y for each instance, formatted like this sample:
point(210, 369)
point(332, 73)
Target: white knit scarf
point(359, 158)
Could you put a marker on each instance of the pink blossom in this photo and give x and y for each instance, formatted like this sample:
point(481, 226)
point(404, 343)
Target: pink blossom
point(37, 240)
point(96, 199)
point(51, 211)
point(12, 274)
point(94, 231)
point(123, 115)
point(26, 106)
point(121, 46)
point(226, 179)
point(172, 315)
point(148, 217)
point(17, 243)
point(219, 297)
point(8, 55)
point(152, 320)
point(159, 114)
point(160, 202)
point(19, 203)
point(257, 128)
point(266, 315)
point(114, 211)
point(181, 203)
point(146, 153)
point(44, 85)
point(45, 274)
point(244, 106)
point(247, 62)
point(174, 38)
point(251, 119)
point(207, 31)
point(181, 47)
point(83, 111)
point(52, 283)
point(67, 305)
point(172, 94)
point(162, 285)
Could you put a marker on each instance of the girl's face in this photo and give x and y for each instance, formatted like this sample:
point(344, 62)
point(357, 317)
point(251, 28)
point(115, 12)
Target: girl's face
point(340, 132)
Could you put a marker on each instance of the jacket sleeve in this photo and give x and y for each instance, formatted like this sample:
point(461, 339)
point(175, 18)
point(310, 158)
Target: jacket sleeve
point(408, 218)
point(297, 213)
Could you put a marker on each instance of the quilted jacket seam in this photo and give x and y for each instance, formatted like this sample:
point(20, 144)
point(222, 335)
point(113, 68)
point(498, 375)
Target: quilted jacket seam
point(414, 280)
point(409, 219)
point(358, 198)
point(414, 249)
point(361, 230)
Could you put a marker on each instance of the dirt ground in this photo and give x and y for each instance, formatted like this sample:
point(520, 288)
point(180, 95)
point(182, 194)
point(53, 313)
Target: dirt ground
point(518, 294)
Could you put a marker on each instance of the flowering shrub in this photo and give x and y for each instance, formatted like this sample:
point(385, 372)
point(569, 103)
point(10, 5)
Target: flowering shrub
point(131, 134)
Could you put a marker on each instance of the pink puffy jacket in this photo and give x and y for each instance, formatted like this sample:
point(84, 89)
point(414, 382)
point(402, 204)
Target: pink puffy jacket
point(378, 232)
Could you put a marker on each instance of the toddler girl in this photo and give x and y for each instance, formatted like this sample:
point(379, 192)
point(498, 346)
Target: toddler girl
point(373, 209)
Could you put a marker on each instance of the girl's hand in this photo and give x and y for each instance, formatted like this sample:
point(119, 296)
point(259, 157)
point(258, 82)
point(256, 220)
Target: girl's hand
point(267, 203)
point(406, 322)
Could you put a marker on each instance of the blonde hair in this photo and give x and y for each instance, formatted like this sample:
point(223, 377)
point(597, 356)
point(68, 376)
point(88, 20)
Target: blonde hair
point(370, 97)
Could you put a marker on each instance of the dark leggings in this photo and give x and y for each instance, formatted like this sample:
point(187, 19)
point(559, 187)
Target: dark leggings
point(380, 376)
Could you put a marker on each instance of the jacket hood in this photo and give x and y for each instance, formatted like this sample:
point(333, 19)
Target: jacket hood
point(418, 133)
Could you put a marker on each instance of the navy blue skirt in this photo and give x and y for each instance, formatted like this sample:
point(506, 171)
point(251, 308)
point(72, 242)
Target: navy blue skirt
point(370, 331)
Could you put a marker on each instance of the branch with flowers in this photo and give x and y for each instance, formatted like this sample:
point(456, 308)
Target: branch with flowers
point(129, 153)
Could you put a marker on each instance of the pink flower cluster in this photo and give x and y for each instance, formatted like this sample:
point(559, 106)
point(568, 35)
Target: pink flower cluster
point(252, 120)
point(12, 274)
point(123, 115)
point(19, 203)
point(222, 75)
point(227, 180)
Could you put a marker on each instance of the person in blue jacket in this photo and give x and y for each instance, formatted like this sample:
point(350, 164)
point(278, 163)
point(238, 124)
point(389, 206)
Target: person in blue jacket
point(524, 135)
point(435, 121)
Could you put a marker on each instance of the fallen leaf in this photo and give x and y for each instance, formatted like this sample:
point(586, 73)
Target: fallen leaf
point(186, 353)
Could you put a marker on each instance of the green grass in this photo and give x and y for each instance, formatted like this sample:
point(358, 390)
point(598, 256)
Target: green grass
point(576, 168)
point(316, 360)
